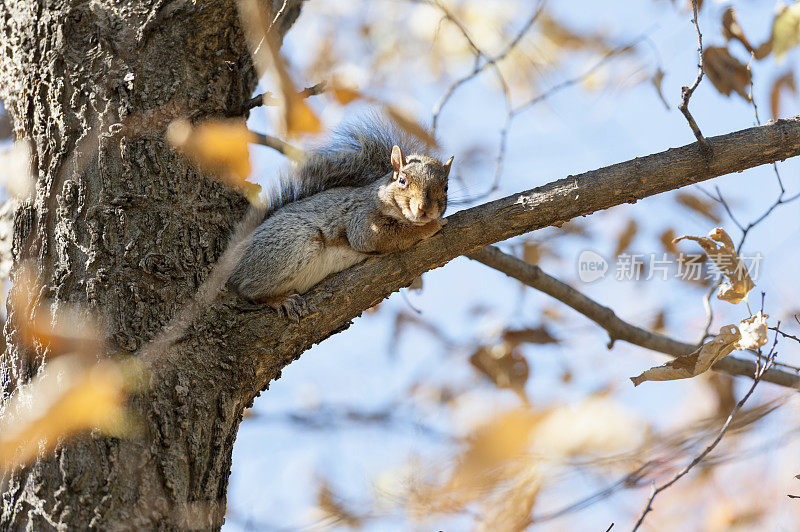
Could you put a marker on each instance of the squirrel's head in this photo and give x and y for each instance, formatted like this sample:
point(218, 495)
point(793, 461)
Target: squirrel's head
point(419, 186)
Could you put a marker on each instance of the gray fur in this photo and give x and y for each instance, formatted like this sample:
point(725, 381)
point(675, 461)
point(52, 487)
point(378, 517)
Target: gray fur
point(334, 211)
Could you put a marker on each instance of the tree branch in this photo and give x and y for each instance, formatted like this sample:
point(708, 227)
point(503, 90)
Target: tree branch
point(617, 329)
point(254, 340)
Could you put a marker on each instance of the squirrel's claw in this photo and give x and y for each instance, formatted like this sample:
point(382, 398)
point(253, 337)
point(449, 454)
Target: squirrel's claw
point(294, 307)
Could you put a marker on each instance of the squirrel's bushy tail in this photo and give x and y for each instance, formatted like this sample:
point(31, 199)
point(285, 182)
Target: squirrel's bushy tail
point(357, 154)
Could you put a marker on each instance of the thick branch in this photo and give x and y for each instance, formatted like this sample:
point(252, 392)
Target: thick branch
point(251, 332)
point(617, 329)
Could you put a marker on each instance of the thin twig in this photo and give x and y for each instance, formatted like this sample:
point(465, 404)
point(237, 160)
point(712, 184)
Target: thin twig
point(278, 145)
point(686, 92)
point(267, 99)
point(617, 328)
point(760, 371)
point(480, 67)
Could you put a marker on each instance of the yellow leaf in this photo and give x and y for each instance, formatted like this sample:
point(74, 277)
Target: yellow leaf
point(345, 95)
point(217, 146)
point(786, 30)
point(67, 397)
point(301, 118)
point(697, 362)
point(721, 250)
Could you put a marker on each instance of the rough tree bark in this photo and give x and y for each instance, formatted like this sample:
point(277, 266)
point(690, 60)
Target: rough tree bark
point(123, 226)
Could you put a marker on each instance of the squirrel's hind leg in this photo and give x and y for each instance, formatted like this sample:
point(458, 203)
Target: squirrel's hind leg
point(292, 306)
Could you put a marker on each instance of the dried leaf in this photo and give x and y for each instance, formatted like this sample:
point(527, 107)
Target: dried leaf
point(785, 81)
point(727, 260)
point(410, 126)
point(659, 323)
point(537, 335)
point(657, 80)
point(531, 252)
point(503, 365)
point(726, 72)
point(626, 237)
point(697, 362)
point(786, 30)
point(698, 205)
point(667, 238)
point(334, 509)
point(754, 331)
point(732, 30)
point(217, 146)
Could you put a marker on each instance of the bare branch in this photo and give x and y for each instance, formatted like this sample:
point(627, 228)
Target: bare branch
point(267, 99)
point(278, 145)
point(256, 341)
point(760, 371)
point(686, 92)
point(617, 329)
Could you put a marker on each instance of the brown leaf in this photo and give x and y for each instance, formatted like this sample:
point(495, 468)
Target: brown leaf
point(706, 208)
point(332, 506)
point(410, 126)
point(666, 239)
point(537, 335)
point(697, 362)
point(503, 365)
point(657, 80)
point(726, 73)
point(732, 30)
point(785, 81)
point(531, 252)
point(659, 323)
point(719, 247)
point(625, 238)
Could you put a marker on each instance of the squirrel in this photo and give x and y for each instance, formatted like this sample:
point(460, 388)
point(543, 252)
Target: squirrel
point(358, 196)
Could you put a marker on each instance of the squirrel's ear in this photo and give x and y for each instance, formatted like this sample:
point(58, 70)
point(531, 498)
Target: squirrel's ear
point(447, 165)
point(398, 159)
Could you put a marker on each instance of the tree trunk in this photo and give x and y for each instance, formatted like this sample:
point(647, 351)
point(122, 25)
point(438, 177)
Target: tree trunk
point(123, 226)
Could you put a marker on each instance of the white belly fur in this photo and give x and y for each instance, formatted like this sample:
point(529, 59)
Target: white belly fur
point(329, 260)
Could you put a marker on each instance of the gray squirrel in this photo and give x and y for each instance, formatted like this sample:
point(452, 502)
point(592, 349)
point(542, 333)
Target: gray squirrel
point(358, 196)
